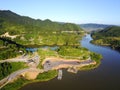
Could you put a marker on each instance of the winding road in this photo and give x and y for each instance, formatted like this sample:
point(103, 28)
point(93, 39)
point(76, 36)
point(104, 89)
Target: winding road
point(32, 62)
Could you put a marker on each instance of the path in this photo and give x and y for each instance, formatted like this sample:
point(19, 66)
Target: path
point(32, 62)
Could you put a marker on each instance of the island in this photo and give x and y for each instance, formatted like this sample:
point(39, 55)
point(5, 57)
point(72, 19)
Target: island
point(35, 50)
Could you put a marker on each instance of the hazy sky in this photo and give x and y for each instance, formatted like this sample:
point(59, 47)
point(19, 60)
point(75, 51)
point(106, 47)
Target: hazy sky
point(76, 11)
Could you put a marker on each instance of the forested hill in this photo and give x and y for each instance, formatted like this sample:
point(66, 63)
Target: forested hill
point(109, 36)
point(9, 18)
point(26, 30)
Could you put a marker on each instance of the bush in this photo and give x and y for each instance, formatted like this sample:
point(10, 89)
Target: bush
point(96, 57)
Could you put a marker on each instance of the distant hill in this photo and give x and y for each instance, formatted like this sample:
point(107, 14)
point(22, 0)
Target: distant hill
point(93, 27)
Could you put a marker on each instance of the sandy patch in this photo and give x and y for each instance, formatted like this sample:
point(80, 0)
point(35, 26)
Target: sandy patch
point(31, 75)
point(10, 36)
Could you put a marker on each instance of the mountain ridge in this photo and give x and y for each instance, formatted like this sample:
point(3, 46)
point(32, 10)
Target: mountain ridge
point(94, 26)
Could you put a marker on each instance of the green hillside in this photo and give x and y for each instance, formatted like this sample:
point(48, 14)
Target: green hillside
point(18, 31)
point(28, 31)
point(109, 36)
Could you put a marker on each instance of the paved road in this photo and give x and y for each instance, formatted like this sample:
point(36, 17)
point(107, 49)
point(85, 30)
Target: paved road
point(23, 58)
point(12, 76)
point(33, 63)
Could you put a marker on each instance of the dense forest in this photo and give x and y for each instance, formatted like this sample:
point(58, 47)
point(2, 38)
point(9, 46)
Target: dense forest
point(10, 49)
point(109, 37)
point(27, 31)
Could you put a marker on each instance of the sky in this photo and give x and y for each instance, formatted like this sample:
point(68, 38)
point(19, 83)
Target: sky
point(74, 11)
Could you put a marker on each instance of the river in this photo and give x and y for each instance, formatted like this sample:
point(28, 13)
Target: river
point(105, 77)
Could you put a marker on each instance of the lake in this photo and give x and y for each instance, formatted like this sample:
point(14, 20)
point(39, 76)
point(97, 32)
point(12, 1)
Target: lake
point(105, 77)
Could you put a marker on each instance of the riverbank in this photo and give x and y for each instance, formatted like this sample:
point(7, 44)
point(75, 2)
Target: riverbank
point(106, 45)
point(48, 65)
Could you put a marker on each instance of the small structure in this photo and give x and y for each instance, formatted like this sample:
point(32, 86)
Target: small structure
point(59, 74)
point(72, 70)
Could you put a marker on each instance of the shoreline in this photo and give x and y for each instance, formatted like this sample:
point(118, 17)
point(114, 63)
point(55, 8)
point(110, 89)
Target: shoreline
point(59, 67)
point(50, 63)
